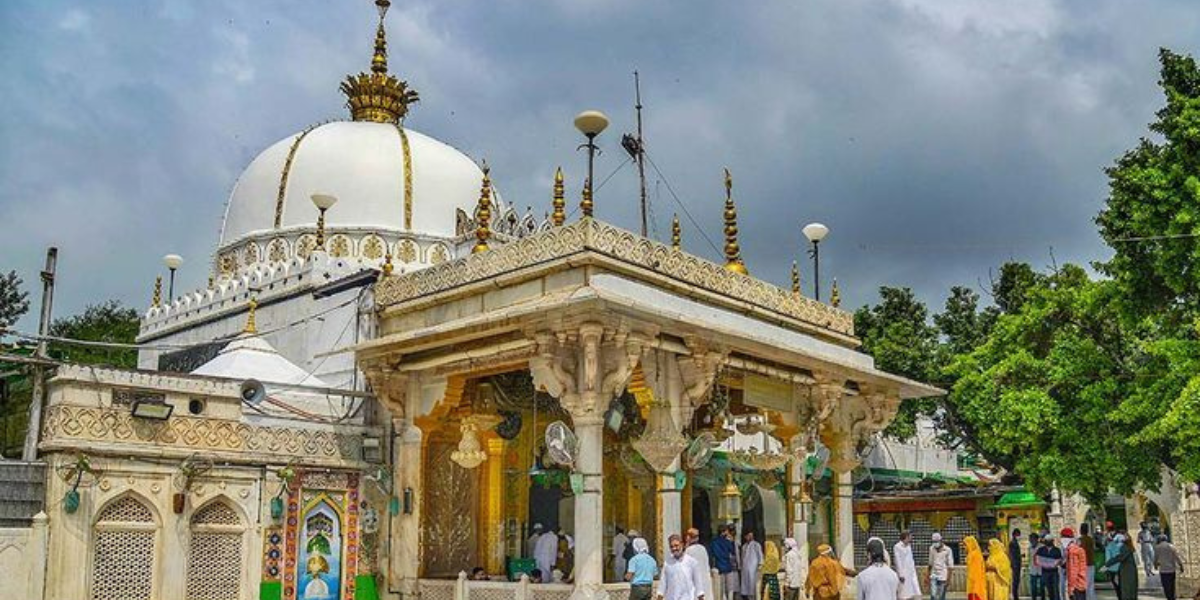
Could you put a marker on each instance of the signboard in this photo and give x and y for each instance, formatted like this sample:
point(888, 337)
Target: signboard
point(768, 393)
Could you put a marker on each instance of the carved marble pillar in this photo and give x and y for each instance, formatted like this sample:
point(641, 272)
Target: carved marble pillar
point(405, 550)
point(586, 367)
point(843, 461)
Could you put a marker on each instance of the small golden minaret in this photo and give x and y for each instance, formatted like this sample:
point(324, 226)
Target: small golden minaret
point(676, 232)
point(835, 295)
point(210, 282)
point(586, 205)
point(733, 252)
point(388, 267)
point(251, 326)
point(795, 279)
point(483, 214)
point(560, 203)
point(156, 299)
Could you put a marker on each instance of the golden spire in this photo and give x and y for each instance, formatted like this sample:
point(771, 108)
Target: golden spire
point(483, 214)
point(378, 96)
point(676, 232)
point(586, 204)
point(560, 203)
point(251, 327)
point(210, 282)
point(733, 252)
point(835, 295)
point(387, 264)
point(795, 279)
point(156, 299)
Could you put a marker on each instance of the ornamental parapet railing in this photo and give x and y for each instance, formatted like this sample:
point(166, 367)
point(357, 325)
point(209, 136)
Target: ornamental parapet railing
point(71, 427)
point(522, 589)
point(595, 236)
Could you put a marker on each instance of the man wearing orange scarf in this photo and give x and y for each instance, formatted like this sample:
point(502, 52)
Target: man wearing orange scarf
point(826, 576)
point(976, 571)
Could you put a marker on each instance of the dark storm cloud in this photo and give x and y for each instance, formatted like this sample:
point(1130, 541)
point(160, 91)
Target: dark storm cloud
point(936, 138)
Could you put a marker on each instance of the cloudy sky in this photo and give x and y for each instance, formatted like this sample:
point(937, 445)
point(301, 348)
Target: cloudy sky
point(936, 138)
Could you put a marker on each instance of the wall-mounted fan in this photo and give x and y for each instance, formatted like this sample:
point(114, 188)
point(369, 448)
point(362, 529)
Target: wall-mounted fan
point(562, 447)
point(699, 451)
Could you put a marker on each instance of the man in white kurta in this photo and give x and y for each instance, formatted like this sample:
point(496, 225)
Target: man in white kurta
point(619, 542)
point(531, 542)
point(752, 555)
point(545, 552)
point(878, 581)
point(699, 553)
point(681, 579)
point(906, 567)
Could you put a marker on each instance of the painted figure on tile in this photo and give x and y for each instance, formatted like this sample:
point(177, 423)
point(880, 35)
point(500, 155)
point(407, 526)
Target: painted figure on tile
point(322, 552)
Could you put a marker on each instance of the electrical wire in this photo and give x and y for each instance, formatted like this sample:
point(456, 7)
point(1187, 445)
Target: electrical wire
point(604, 181)
point(691, 219)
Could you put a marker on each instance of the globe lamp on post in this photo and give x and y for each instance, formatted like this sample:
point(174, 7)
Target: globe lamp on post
point(815, 232)
point(173, 262)
point(323, 202)
point(590, 123)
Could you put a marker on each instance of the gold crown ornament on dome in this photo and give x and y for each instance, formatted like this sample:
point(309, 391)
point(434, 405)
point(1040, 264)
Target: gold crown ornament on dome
point(378, 96)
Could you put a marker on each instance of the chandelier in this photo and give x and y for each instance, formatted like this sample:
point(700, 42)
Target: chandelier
point(661, 443)
point(470, 452)
point(752, 457)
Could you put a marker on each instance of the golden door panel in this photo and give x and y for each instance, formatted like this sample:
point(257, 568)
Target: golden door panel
point(451, 514)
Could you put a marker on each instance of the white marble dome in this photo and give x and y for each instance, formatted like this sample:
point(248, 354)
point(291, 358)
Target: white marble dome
point(363, 164)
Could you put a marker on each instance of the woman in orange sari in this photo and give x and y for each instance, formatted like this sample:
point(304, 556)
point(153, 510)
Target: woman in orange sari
point(999, 571)
point(977, 588)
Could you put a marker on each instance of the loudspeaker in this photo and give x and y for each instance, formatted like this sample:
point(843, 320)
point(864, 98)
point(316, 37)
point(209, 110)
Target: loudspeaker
point(253, 391)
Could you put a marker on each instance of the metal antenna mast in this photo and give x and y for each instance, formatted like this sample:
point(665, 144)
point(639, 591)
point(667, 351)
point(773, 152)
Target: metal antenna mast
point(637, 151)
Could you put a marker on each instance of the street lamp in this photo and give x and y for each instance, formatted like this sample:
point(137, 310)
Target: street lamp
point(323, 202)
point(815, 232)
point(590, 123)
point(173, 262)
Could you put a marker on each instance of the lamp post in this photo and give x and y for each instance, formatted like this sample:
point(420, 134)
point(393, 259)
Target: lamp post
point(323, 202)
point(173, 262)
point(590, 123)
point(815, 232)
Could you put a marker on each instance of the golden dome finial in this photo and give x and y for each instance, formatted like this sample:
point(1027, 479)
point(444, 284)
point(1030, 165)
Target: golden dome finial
point(483, 213)
point(586, 204)
point(733, 252)
point(795, 279)
point(251, 326)
point(560, 203)
point(388, 267)
point(835, 295)
point(378, 96)
point(676, 232)
point(156, 299)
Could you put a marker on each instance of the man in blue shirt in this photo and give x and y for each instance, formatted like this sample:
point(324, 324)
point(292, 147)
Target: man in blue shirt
point(640, 571)
point(724, 555)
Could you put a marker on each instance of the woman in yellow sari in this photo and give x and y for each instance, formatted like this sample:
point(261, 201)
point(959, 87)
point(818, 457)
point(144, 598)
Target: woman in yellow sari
point(999, 571)
point(977, 588)
point(769, 588)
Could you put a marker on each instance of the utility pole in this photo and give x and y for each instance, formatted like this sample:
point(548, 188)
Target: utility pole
point(38, 393)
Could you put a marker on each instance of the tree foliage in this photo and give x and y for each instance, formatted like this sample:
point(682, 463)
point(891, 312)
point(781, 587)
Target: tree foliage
point(1091, 385)
point(105, 322)
point(14, 302)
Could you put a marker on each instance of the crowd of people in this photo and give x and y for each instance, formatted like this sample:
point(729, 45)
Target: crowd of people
point(1062, 567)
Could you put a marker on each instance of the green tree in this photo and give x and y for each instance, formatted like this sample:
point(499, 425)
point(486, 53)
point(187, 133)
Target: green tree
point(897, 334)
point(105, 322)
point(1047, 392)
point(1151, 220)
point(14, 302)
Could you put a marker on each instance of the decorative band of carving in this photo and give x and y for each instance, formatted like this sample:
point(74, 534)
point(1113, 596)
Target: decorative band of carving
point(589, 234)
point(66, 423)
point(406, 153)
point(283, 176)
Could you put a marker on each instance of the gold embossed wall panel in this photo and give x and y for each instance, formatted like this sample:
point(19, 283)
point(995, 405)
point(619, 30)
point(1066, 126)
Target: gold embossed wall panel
point(449, 534)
